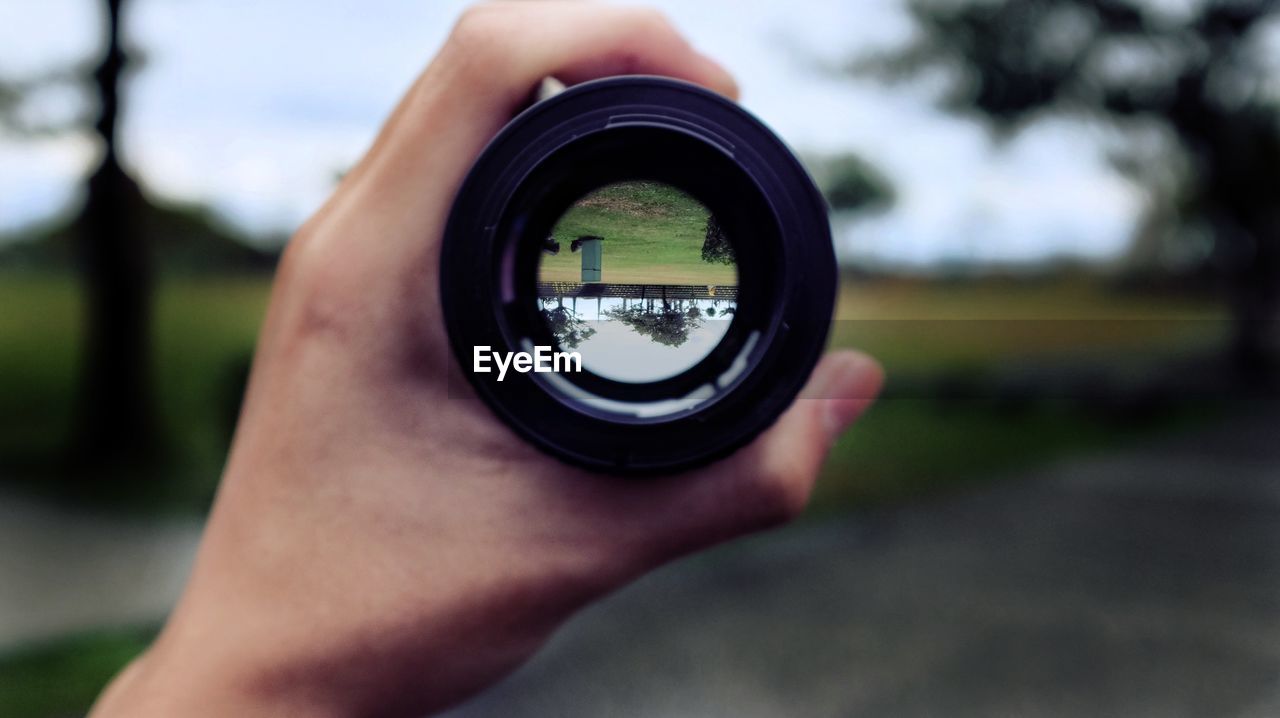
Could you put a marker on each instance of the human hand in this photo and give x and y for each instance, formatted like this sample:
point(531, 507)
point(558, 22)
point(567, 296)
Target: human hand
point(378, 546)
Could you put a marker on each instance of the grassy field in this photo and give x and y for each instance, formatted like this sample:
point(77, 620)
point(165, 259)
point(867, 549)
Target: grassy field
point(653, 234)
point(62, 678)
point(205, 330)
point(909, 445)
point(923, 327)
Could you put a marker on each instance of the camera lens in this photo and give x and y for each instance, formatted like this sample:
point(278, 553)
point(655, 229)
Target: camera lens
point(639, 279)
point(637, 275)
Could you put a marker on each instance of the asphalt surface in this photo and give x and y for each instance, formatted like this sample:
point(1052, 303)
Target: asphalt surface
point(1142, 583)
point(1145, 583)
point(63, 571)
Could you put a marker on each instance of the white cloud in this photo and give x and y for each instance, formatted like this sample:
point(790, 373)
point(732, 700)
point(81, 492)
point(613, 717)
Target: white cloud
point(255, 107)
point(39, 35)
point(34, 176)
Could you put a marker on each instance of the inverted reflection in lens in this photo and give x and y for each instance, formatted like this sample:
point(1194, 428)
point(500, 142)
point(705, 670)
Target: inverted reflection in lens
point(640, 279)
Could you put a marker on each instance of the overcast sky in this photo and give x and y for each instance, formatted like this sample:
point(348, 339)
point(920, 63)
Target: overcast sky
point(255, 106)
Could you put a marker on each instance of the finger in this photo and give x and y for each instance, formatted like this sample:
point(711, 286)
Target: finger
point(781, 466)
point(494, 59)
point(764, 484)
point(401, 190)
point(503, 49)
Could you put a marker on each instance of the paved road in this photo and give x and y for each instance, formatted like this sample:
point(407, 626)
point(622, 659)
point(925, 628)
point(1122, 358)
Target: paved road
point(66, 571)
point(1138, 584)
point(1131, 585)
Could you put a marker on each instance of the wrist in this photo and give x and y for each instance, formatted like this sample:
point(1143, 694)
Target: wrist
point(172, 678)
point(354, 648)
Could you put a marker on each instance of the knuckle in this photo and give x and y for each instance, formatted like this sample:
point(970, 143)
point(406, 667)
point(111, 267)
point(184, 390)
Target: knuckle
point(648, 28)
point(654, 20)
point(474, 52)
point(310, 285)
point(474, 30)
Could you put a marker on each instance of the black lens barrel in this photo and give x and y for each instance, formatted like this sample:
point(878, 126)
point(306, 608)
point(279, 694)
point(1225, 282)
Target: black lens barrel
point(653, 129)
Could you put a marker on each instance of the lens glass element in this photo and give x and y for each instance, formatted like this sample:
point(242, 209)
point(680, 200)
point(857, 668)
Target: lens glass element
point(639, 279)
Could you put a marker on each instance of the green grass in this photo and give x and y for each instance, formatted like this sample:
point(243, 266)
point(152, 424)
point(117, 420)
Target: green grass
point(653, 234)
point(38, 320)
point(917, 327)
point(907, 448)
point(911, 444)
point(62, 678)
point(205, 330)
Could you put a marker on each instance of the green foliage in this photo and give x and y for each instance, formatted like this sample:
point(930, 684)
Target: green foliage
point(16, 99)
point(716, 248)
point(204, 333)
point(665, 325)
point(1196, 77)
point(1190, 89)
point(187, 239)
point(64, 677)
point(853, 184)
point(569, 331)
point(1009, 62)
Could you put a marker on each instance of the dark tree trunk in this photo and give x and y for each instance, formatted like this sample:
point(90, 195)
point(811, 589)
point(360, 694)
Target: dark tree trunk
point(1255, 302)
point(115, 417)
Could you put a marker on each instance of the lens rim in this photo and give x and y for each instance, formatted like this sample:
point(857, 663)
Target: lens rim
point(665, 130)
point(705, 174)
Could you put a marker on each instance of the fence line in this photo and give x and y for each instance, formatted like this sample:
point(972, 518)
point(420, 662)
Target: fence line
point(638, 291)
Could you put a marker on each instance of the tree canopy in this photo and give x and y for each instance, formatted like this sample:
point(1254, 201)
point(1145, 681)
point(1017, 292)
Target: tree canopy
point(1190, 87)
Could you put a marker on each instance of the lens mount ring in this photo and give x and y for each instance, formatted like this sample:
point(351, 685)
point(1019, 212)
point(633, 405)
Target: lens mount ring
point(656, 129)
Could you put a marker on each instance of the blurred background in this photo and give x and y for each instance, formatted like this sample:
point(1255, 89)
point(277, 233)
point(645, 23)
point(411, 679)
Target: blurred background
point(1059, 222)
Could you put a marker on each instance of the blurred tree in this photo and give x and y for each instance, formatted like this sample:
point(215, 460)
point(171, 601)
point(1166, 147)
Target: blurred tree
point(716, 248)
point(667, 325)
point(849, 183)
point(114, 418)
point(1189, 84)
point(115, 415)
point(570, 331)
point(853, 184)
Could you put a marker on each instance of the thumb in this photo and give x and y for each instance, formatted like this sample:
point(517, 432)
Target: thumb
point(783, 463)
point(769, 481)
point(842, 387)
